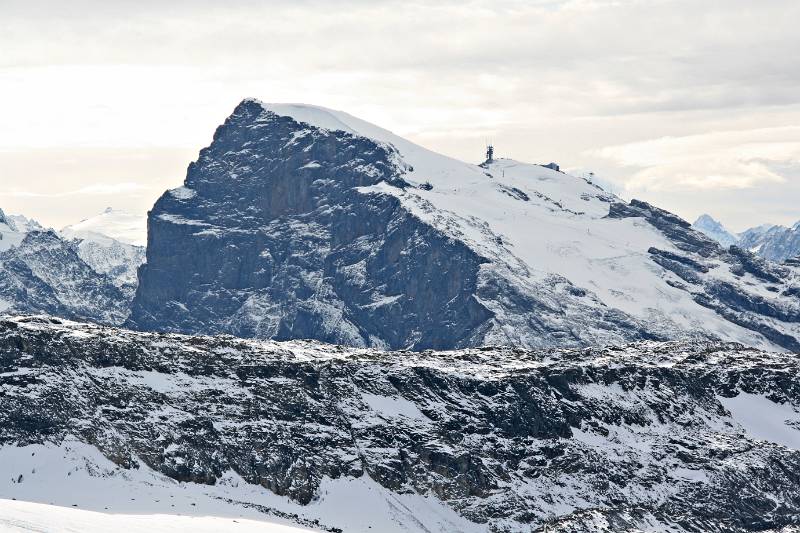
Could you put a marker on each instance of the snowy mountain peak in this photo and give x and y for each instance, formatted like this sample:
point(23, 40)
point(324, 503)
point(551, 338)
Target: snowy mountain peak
point(305, 222)
point(715, 230)
point(112, 243)
point(10, 236)
point(707, 221)
point(24, 224)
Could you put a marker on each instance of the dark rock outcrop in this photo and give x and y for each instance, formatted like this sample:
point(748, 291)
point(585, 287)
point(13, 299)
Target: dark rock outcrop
point(271, 238)
point(672, 226)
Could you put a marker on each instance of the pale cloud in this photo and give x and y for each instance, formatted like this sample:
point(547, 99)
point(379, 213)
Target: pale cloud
point(718, 160)
point(545, 79)
point(95, 189)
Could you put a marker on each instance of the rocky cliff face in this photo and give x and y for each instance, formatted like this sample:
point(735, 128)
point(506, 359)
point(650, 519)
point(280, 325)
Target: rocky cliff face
point(685, 436)
point(271, 238)
point(300, 222)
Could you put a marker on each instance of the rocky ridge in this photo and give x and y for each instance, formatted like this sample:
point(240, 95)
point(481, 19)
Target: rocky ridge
point(651, 436)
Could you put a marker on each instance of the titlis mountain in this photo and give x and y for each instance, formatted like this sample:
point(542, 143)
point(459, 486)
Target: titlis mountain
point(338, 329)
point(300, 222)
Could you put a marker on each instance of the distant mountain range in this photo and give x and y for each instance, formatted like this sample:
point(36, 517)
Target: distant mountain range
point(82, 272)
point(776, 243)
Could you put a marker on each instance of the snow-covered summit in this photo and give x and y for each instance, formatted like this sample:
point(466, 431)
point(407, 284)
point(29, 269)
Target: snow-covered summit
point(13, 229)
point(119, 225)
point(305, 222)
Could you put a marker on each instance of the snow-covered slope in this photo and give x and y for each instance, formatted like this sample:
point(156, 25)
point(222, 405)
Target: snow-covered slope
point(24, 517)
point(715, 230)
point(112, 243)
point(119, 225)
point(345, 232)
point(679, 437)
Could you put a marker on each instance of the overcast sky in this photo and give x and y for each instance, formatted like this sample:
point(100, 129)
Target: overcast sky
point(692, 105)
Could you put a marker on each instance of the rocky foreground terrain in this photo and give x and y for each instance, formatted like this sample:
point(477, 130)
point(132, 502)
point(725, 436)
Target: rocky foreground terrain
point(652, 436)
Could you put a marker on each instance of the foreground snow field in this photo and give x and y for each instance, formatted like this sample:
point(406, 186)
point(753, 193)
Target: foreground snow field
point(74, 475)
point(28, 516)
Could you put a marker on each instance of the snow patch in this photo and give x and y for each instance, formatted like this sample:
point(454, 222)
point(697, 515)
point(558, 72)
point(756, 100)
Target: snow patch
point(183, 193)
point(763, 419)
point(392, 406)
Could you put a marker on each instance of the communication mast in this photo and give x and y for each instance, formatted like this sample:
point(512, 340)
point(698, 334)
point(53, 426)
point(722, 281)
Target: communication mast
point(489, 153)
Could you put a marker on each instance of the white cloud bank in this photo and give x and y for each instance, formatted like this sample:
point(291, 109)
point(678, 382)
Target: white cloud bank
point(740, 159)
point(95, 189)
point(546, 80)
